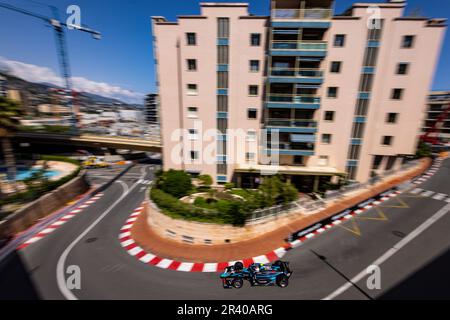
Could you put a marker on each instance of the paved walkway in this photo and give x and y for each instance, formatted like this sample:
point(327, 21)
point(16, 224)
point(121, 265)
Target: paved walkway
point(147, 239)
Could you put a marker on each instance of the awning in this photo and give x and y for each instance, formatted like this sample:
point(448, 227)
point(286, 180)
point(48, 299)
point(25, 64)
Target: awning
point(307, 86)
point(303, 138)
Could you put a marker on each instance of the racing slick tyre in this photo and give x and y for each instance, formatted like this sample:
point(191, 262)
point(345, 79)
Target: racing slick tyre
point(238, 266)
point(282, 281)
point(237, 283)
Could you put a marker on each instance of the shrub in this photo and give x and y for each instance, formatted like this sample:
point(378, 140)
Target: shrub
point(423, 150)
point(176, 183)
point(229, 185)
point(205, 180)
point(275, 191)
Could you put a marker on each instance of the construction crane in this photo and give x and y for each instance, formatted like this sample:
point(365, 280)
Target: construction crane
point(432, 134)
point(58, 27)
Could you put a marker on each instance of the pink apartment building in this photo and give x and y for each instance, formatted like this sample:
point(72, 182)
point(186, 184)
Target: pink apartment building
point(335, 95)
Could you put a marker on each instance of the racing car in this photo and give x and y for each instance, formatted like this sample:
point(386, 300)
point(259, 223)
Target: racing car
point(258, 274)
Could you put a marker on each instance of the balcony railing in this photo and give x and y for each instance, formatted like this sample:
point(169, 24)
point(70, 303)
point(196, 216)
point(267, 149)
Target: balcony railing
point(291, 146)
point(297, 123)
point(291, 98)
point(308, 14)
point(317, 45)
point(293, 72)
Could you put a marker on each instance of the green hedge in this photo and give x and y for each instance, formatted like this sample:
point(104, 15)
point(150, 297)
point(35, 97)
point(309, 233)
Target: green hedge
point(225, 212)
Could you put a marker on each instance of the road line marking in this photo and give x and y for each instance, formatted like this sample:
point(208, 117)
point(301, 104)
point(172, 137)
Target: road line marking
point(416, 191)
point(416, 232)
point(60, 269)
point(427, 193)
point(439, 196)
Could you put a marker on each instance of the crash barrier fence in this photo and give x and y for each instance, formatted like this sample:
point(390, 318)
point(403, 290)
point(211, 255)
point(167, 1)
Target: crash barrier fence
point(309, 205)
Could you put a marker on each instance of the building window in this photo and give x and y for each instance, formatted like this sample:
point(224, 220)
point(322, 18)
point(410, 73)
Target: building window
point(332, 92)
point(252, 90)
point(249, 156)
point(255, 39)
point(191, 39)
point(193, 134)
point(326, 138)
point(339, 40)
point(376, 162)
point(251, 135)
point(222, 80)
point(192, 64)
point(194, 155)
point(222, 103)
point(299, 160)
point(408, 41)
point(354, 151)
point(391, 117)
point(386, 140)
point(223, 29)
point(335, 66)
point(397, 94)
point(192, 112)
point(192, 89)
point(222, 56)
point(329, 116)
point(254, 65)
point(402, 68)
point(366, 83)
point(252, 113)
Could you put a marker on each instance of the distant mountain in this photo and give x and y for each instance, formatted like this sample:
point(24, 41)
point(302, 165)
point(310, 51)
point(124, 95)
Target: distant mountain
point(39, 92)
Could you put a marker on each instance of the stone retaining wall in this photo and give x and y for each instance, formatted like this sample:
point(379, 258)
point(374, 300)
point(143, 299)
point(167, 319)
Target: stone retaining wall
point(45, 205)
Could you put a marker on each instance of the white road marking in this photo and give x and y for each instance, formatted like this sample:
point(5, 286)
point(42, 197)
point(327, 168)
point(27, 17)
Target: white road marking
point(416, 232)
point(60, 270)
point(427, 193)
point(416, 191)
point(439, 196)
point(164, 263)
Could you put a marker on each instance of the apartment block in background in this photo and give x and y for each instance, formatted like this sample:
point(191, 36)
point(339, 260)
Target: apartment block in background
point(152, 109)
point(438, 107)
point(345, 99)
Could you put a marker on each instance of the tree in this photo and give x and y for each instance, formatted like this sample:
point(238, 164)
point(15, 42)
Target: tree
point(275, 191)
point(9, 111)
point(176, 182)
point(205, 180)
point(423, 150)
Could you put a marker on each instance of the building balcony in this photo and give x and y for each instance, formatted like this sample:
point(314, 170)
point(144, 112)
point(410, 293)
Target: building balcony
point(287, 148)
point(302, 14)
point(293, 75)
point(316, 48)
point(293, 101)
point(291, 125)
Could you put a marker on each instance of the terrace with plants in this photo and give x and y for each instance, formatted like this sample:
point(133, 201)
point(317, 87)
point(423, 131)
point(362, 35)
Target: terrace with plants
point(180, 196)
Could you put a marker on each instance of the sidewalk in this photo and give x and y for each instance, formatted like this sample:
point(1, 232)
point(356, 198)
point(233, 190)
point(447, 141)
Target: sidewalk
point(146, 238)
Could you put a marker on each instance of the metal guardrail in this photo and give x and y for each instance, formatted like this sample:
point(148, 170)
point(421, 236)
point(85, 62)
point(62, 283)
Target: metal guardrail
point(308, 206)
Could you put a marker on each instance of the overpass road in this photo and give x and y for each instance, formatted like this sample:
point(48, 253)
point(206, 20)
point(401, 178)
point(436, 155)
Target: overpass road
point(407, 237)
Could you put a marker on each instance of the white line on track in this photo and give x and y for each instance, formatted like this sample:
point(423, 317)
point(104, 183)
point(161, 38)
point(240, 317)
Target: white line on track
point(60, 272)
point(416, 232)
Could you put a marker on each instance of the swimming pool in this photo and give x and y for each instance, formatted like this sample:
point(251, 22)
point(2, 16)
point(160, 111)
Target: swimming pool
point(23, 174)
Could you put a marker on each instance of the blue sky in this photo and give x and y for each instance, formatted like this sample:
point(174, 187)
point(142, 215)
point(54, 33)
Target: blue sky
point(121, 64)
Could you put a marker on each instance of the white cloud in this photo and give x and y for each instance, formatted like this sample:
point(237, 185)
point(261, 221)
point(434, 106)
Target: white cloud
point(34, 73)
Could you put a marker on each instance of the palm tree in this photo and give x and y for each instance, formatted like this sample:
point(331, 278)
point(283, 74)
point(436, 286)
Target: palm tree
point(9, 111)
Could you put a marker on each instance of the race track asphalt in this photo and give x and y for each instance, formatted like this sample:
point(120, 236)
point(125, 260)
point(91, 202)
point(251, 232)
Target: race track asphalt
point(321, 265)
